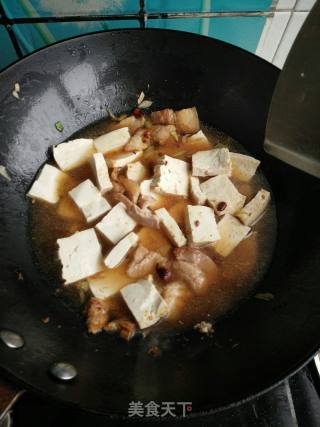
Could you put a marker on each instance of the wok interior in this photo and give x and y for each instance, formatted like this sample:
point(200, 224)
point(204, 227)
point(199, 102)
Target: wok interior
point(232, 90)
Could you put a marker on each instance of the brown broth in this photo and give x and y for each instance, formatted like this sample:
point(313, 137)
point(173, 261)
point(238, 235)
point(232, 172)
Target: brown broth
point(240, 271)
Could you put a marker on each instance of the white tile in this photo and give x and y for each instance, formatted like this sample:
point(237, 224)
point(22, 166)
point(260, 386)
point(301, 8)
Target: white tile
point(285, 4)
point(288, 38)
point(271, 35)
point(305, 4)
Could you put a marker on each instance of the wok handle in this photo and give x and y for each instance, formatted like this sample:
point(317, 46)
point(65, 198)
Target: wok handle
point(9, 394)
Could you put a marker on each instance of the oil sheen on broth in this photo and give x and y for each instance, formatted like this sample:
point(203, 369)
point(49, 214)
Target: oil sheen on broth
point(240, 271)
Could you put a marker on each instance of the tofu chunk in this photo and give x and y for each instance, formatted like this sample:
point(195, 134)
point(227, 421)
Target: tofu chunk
point(137, 172)
point(171, 228)
point(254, 210)
point(88, 198)
point(100, 170)
point(124, 159)
point(120, 251)
point(223, 195)
point(171, 177)
point(198, 136)
point(72, 154)
point(243, 167)
point(201, 225)
point(187, 120)
point(80, 255)
point(196, 193)
point(48, 184)
point(211, 162)
point(144, 302)
point(112, 141)
point(232, 232)
point(116, 224)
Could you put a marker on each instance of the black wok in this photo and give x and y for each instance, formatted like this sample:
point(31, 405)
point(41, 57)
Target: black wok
point(75, 82)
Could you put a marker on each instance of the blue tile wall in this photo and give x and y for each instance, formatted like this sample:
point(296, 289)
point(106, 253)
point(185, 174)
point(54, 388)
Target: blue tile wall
point(7, 52)
point(240, 31)
point(207, 5)
point(27, 8)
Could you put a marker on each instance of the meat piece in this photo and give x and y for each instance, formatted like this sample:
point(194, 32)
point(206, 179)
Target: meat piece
point(137, 142)
point(144, 262)
point(176, 295)
point(163, 117)
point(97, 315)
point(196, 268)
point(187, 120)
point(204, 327)
point(164, 134)
point(125, 328)
point(131, 187)
point(133, 123)
point(115, 179)
point(142, 216)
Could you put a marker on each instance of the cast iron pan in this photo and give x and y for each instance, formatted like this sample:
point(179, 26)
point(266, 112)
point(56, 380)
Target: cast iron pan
point(74, 82)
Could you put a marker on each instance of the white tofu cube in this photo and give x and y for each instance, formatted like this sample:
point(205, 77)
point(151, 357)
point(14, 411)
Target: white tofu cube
point(123, 159)
point(145, 302)
point(243, 167)
point(80, 255)
point(171, 177)
point(137, 172)
point(171, 227)
point(201, 225)
point(196, 193)
point(254, 210)
point(72, 154)
point(112, 141)
point(232, 232)
point(89, 200)
point(223, 195)
point(116, 224)
point(211, 162)
point(120, 251)
point(100, 170)
point(48, 184)
point(198, 135)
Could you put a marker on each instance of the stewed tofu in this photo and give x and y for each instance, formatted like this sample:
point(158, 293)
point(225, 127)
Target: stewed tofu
point(201, 225)
point(243, 167)
point(145, 302)
point(198, 136)
point(196, 193)
point(72, 154)
point(223, 196)
point(121, 160)
point(232, 232)
point(112, 141)
point(48, 184)
point(89, 200)
point(116, 224)
point(80, 255)
point(121, 250)
point(101, 173)
point(171, 177)
point(137, 172)
point(187, 120)
point(254, 210)
point(211, 162)
point(171, 227)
